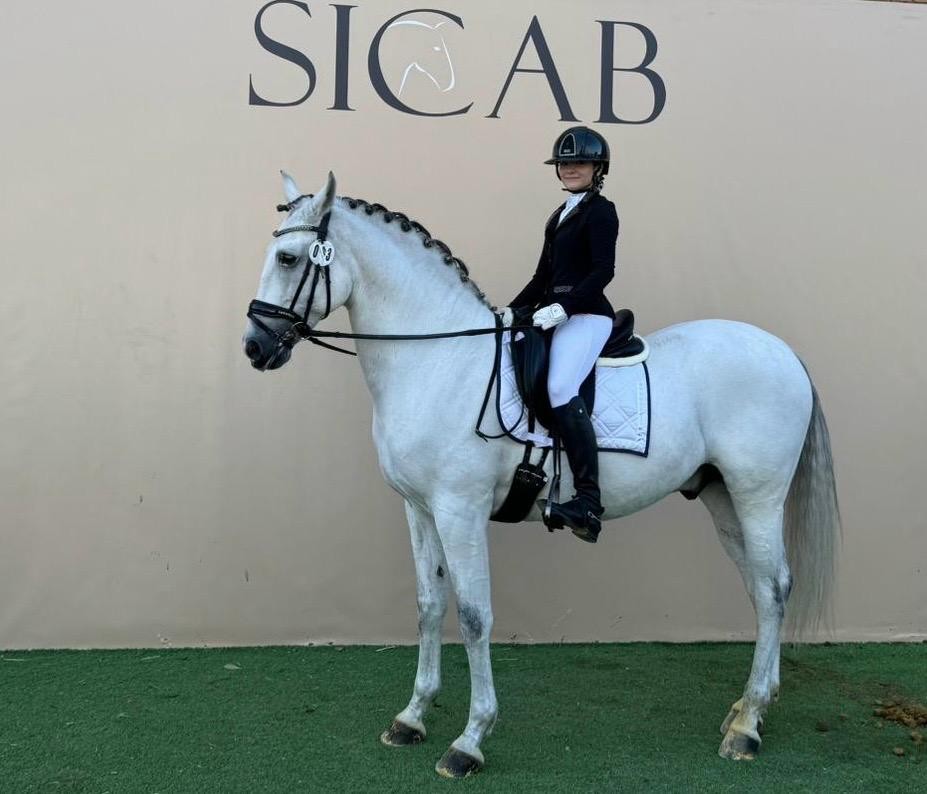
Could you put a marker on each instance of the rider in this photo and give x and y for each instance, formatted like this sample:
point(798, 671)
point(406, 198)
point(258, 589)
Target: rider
point(577, 261)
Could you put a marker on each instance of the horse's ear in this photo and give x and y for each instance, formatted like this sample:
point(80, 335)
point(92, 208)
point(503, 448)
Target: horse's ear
point(326, 196)
point(290, 191)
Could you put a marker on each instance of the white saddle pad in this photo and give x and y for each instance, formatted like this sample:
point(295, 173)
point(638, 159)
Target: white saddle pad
point(621, 415)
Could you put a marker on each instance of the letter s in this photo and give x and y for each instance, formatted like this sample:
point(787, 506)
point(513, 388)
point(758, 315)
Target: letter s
point(282, 51)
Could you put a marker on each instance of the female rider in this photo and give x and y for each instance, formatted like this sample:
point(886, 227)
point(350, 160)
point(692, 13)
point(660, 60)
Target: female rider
point(577, 261)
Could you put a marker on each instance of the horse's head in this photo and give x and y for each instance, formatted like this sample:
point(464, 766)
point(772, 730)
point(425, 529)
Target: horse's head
point(299, 284)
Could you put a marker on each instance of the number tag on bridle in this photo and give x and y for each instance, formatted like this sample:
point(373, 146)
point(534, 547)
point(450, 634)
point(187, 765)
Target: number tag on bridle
point(321, 253)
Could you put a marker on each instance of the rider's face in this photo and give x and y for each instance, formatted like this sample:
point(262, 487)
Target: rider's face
point(576, 175)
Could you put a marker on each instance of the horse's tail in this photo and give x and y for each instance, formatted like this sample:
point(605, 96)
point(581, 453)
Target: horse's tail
point(812, 528)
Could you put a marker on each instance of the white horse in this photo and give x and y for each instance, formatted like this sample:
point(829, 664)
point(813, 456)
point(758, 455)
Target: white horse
point(724, 394)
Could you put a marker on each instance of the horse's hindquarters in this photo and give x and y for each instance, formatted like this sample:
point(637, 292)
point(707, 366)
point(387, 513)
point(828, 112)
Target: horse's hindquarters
point(724, 393)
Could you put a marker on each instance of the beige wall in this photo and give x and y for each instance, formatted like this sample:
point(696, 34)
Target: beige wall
point(156, 490)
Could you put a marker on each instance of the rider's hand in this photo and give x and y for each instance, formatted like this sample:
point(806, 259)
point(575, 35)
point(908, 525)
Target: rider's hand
point(508, 316)
point(549, 316)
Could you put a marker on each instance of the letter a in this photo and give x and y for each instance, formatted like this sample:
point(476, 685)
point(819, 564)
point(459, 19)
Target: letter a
point(536, 36)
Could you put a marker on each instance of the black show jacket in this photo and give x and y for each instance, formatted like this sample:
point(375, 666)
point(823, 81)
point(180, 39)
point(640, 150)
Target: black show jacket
point(577, 260)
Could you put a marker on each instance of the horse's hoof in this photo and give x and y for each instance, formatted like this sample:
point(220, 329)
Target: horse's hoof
point(401, 735)
point(457, 764)
point(731, 716)
point(738, 746)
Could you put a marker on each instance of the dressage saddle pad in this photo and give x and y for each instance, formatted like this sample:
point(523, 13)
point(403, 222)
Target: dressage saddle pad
point(621, 416)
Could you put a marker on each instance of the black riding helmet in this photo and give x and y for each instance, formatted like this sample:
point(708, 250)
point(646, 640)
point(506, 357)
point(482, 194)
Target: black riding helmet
point(580, 144)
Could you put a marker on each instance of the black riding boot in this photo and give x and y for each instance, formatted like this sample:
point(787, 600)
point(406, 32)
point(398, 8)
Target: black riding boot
point(582, 512)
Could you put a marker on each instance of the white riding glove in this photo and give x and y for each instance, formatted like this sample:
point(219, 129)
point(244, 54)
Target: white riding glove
point(549, 317)
point(508, 316)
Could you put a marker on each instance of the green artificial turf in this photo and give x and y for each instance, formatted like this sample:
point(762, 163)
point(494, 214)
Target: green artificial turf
point(636, 717)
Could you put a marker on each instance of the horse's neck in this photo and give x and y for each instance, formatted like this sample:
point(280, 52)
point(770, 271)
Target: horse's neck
point(403, 288)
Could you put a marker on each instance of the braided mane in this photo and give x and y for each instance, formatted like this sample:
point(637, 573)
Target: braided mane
point(408, 225)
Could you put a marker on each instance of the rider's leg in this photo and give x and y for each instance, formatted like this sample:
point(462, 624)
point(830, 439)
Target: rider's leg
point(575, 347)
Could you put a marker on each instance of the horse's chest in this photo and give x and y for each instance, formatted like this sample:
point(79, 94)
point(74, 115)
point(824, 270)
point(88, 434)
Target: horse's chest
point(407, 458)
point(420, 459)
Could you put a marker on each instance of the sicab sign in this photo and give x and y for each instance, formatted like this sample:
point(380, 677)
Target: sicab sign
point(534, 37)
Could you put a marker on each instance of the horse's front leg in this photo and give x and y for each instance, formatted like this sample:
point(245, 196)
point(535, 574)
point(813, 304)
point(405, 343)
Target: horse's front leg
point(432, 589)
point(461, 524)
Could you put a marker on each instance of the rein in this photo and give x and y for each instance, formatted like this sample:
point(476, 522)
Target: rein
point(321, 255)
point(312, 335)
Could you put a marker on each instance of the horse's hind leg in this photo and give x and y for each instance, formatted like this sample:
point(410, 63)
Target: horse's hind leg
point(432, 591)
point(768, 581)
point(718, 501)
point(760, 557)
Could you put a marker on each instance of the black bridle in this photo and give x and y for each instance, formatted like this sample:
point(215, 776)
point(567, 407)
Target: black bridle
point(299, 325)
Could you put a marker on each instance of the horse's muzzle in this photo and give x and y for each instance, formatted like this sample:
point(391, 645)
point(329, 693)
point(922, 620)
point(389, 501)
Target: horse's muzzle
point(269, 354)
point(253, 350)
point(273, 333)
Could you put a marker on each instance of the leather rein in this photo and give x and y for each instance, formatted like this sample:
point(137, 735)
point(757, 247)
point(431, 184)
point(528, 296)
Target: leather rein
point(321, 254)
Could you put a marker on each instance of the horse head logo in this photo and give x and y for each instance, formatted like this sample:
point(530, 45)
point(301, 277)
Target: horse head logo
point(434, 63)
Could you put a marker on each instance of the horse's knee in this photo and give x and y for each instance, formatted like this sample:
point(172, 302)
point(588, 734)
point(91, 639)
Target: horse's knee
point(430, 613)
point(475, 623)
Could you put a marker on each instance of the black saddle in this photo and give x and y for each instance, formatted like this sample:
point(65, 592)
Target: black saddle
point(622, 343)
point(531, 352)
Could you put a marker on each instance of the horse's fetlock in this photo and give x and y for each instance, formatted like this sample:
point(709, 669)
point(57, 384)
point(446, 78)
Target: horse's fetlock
point(488, 708)
point(759, 698)
point(428, 690)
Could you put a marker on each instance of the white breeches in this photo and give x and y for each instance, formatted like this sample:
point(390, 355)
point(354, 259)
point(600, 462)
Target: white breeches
point(576, 345)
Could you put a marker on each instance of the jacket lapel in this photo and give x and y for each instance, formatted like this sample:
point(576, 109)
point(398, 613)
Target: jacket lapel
point(575, 211)
point(551, 226)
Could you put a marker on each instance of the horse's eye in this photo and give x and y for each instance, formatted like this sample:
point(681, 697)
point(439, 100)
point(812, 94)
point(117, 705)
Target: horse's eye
point(285, 259)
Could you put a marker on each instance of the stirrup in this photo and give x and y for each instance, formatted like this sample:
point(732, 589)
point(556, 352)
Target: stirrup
point(553, 494)
point(550, 519)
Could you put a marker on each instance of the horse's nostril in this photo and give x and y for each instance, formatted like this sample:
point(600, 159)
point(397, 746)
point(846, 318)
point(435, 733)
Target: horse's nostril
point(252, 350)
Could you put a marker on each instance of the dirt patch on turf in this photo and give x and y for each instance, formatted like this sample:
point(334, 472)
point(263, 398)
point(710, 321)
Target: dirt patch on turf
point(907, 713)
point(888, 701)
